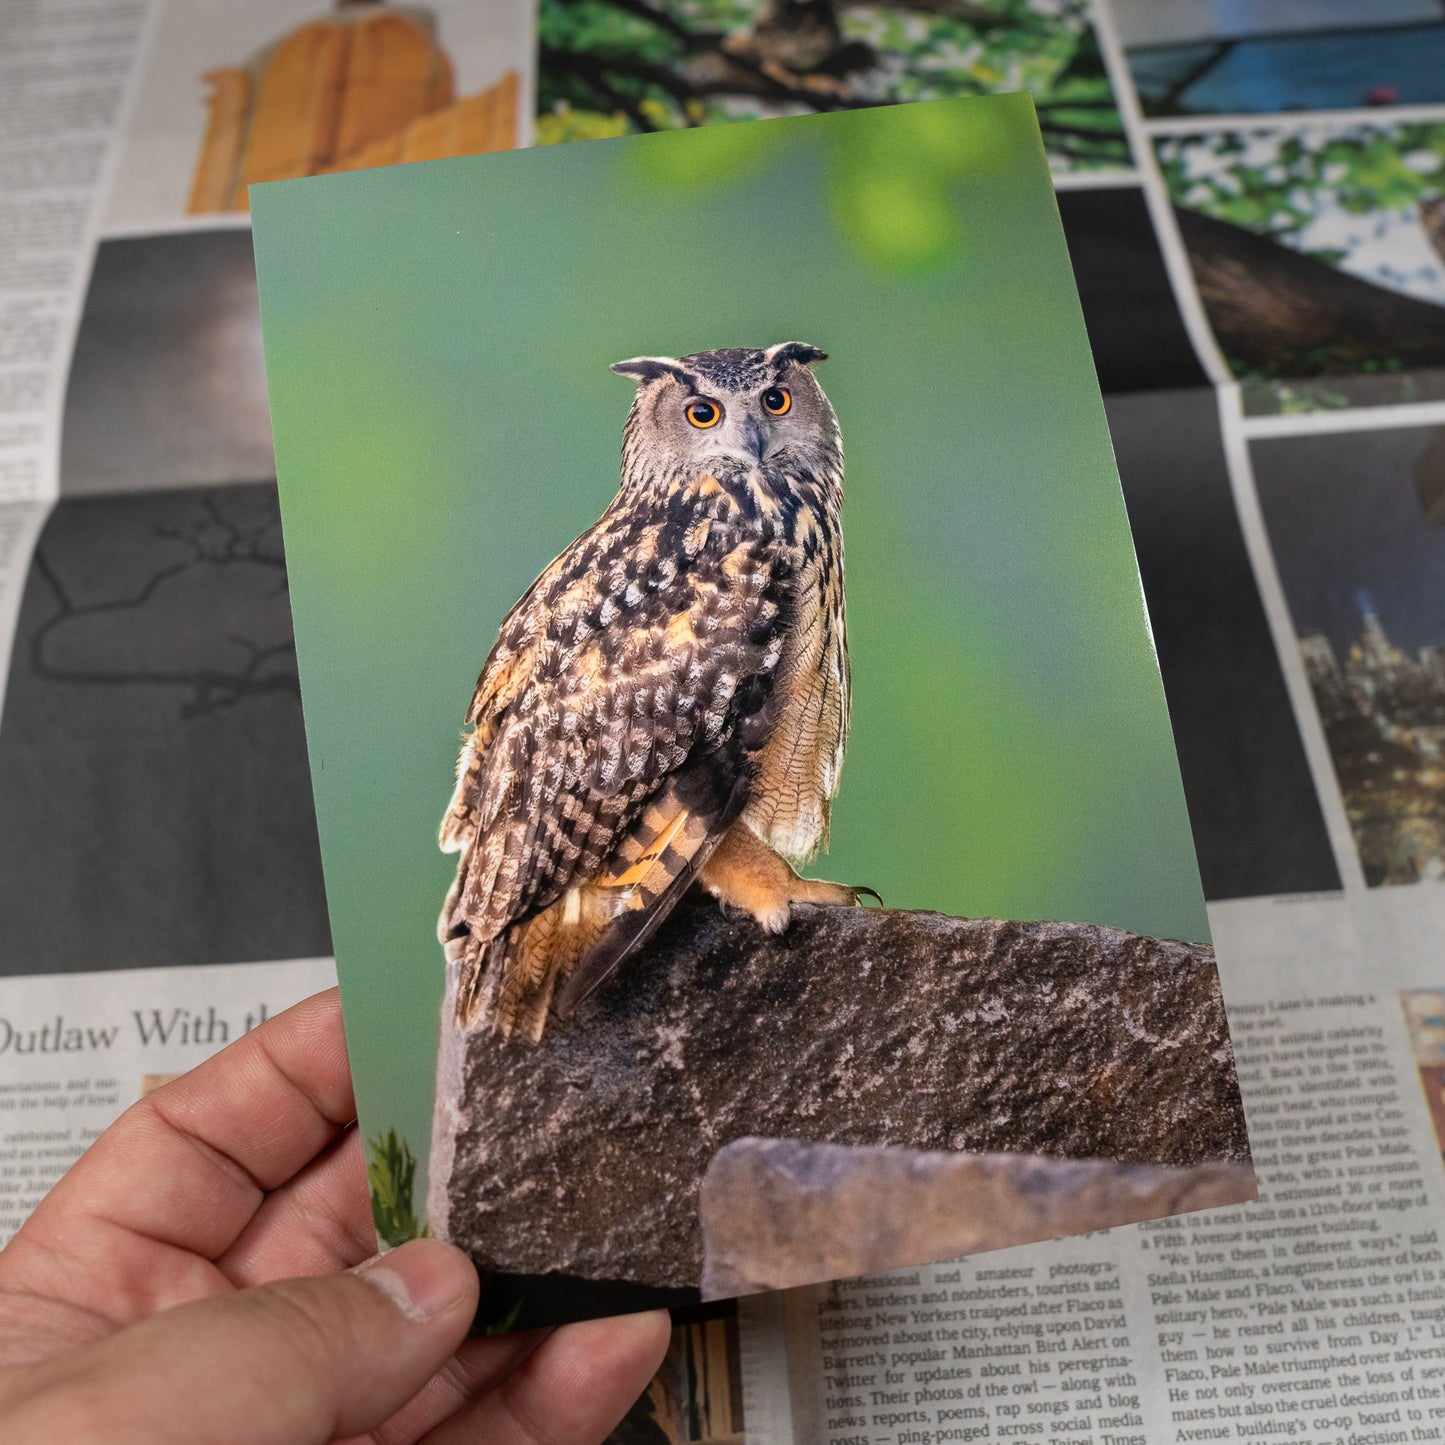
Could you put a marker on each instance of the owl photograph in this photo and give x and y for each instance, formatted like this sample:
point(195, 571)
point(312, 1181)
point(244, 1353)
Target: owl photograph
point(719, 908)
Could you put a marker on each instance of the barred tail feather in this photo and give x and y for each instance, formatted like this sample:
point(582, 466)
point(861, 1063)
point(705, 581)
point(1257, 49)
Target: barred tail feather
point(507, 983)
point(670, 851)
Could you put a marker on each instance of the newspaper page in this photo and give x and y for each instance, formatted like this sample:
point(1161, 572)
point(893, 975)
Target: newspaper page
point(160, 885)
point(1317, 1313)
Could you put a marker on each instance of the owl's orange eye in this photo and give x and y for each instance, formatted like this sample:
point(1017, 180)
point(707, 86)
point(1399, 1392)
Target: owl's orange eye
point(704, 413)
point(777, 401)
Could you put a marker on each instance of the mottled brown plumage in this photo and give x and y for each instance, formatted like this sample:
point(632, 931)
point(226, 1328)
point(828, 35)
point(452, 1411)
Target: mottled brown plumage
point(668, 701)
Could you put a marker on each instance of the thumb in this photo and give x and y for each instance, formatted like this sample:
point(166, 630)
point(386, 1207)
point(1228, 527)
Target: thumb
point(301, 1361)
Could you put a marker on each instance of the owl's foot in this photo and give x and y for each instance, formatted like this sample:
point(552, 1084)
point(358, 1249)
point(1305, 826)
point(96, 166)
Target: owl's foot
point(744, 873)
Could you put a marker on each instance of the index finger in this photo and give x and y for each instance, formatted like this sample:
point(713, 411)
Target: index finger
point(172, 1183)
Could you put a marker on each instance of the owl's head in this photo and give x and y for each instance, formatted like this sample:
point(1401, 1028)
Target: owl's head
point(761, 409)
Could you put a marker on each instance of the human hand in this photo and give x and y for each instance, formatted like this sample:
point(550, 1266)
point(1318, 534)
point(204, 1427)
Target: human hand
point(180, 1284)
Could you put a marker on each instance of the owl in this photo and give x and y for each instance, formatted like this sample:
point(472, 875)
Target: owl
point(668, 702)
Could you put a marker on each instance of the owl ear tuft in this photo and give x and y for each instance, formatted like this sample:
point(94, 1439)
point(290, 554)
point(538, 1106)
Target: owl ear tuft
point(649, 368)
point(798, 351)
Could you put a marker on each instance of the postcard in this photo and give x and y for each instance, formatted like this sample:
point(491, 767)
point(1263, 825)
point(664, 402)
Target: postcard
point(790, 876)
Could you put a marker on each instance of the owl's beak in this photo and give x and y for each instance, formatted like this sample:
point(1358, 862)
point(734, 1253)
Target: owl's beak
point(752, 437)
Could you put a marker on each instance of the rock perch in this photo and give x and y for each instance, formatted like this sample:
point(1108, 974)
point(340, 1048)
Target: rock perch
point(584, 1154)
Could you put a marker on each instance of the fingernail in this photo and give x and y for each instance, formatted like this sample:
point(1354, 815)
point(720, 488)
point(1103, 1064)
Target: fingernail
point(423, 1278)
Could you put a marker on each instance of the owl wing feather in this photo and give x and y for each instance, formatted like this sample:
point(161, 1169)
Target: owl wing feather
point(621, 677)
point(504, 674)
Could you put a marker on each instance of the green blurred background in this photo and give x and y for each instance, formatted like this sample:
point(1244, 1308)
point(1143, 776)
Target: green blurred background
point(438, 339)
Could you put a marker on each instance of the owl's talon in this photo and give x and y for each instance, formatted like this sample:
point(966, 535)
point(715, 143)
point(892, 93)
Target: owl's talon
point(861, 889)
